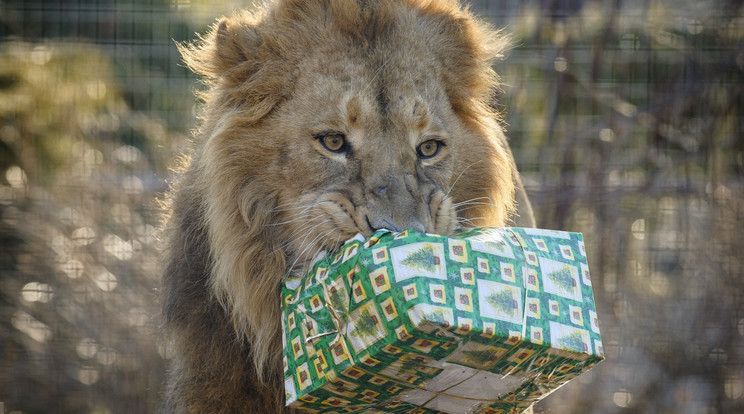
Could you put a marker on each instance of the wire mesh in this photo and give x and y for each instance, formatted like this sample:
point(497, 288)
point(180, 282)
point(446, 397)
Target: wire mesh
point(625, 118)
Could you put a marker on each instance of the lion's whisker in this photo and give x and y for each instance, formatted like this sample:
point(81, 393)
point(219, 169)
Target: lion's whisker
point(320, 248)
point(309, 231)
point(469, 201)
point(472, 206)
point(469, 222)
point(300, 209)
point(306, 229)
point(460, 176)
point(301, 218)
point(309, 245)
point(377, 73)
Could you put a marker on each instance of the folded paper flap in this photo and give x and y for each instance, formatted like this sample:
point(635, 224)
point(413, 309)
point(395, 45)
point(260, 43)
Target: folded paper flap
point(509, 303)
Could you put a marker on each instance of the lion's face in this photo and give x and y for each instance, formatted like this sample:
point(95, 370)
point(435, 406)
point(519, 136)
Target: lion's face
point(369, 135)
point(362, 145)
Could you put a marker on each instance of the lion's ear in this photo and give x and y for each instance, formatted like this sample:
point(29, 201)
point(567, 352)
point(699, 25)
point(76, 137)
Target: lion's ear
point(243, 59)
point(230, 47)
point(467, 48)
point(236, 44)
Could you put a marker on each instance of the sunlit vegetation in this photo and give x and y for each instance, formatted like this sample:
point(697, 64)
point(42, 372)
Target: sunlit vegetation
point(78, 218)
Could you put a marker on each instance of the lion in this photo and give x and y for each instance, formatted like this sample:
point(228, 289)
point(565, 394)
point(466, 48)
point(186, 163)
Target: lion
point(320, 120)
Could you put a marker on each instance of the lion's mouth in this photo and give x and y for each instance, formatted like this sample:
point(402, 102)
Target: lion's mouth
point(334, 218)
point(366, 218)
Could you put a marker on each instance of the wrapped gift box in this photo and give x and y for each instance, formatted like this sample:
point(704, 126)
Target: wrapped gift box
point(486, 321)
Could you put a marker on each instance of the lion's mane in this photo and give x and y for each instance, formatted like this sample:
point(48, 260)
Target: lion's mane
point(226, 254)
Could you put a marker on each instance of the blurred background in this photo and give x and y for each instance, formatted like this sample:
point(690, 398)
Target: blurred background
point(626, 118)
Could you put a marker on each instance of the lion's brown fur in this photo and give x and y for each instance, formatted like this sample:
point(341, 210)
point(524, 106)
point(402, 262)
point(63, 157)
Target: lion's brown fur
point(259, 197)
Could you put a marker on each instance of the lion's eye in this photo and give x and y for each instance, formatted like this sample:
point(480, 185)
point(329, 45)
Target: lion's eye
point(333, 142)
point(429, 149)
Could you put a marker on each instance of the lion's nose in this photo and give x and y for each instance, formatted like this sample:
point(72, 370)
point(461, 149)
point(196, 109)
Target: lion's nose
point(395, 202)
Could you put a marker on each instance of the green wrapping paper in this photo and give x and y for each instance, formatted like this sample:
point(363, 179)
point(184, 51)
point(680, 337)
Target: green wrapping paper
point(487, 321)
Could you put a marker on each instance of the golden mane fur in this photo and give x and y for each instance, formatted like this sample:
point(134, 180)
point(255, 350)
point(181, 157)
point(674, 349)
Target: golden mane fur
point(262, 193)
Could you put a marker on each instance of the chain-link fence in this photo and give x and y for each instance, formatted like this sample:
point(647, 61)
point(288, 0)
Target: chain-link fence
point(626, 119)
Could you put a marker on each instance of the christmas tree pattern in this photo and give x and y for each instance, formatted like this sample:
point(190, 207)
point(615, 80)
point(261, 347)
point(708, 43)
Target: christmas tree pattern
point(366, 325)
point(563, 279)
point(436, 318)
point(339, 301)
point(496, 246)
point(410, 365)
point(503, 301)
point(573, 342)
point(479, 357)
point(423, 259)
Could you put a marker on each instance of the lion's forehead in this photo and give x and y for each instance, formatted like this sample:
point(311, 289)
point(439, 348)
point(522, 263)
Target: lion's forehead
point(373, 98)
point(394, 78)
